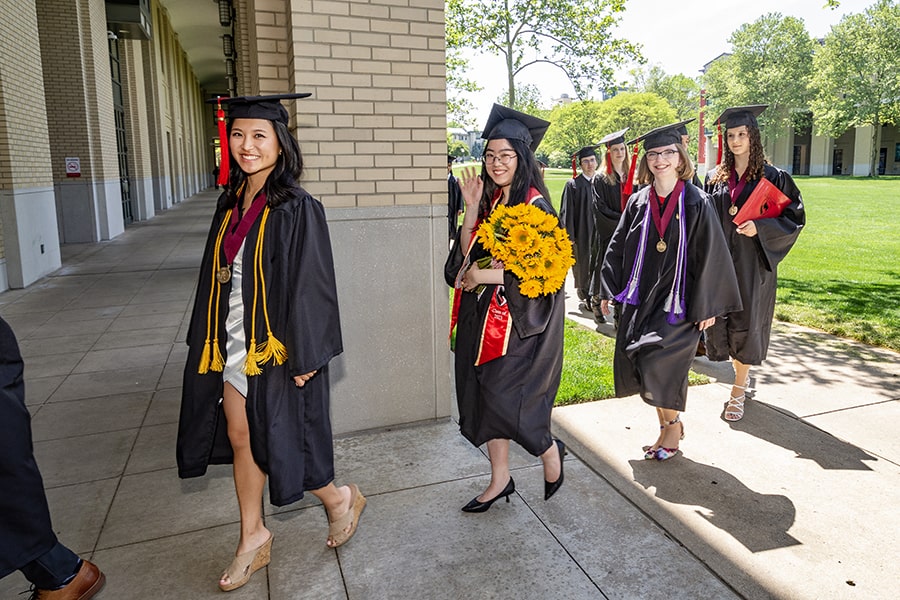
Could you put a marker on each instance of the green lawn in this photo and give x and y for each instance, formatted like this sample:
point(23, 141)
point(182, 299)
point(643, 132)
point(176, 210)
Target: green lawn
point(843, 274)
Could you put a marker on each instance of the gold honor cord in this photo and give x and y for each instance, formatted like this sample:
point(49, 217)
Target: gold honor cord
point(271, 348)
point(211, 357)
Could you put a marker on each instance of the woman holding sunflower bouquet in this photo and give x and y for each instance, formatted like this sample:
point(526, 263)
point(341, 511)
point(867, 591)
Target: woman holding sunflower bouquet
point(508, 267)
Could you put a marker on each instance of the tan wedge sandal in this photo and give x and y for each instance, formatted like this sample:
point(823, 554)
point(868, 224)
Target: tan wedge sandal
point(246, 564)
point(336, 529)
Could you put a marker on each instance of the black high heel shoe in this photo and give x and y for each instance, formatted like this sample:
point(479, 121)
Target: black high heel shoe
point(475, 506)
point(551, 488)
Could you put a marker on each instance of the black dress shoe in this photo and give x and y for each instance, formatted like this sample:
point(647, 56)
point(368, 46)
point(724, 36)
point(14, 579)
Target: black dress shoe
point(550, 488)
point(475, 506)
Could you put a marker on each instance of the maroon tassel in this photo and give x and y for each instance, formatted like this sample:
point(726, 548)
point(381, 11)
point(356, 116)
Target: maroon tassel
point(574, 172)
point(629, 183)
point(719, 152)
point(224, 151)
point(608, 163)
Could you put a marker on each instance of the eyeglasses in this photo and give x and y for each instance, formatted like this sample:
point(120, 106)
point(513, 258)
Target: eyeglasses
point(503, 158)
point(666, 154)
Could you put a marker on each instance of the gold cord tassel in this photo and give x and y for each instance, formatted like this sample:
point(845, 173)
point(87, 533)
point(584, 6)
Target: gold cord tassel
point(211, 357)
point(271, 349)
point(251, 363)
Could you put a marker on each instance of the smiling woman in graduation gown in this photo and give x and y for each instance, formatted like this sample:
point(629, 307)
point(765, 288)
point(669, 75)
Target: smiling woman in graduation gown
point(756, 247)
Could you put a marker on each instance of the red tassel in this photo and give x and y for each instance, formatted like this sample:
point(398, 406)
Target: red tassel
point(574, 172)
point(629, 183)
point(224, 151)
point(608, 163)
point(719, 152)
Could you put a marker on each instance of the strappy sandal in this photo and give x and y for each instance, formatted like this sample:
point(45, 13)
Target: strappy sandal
point(336, 528)
point(734, 409)
point(650, 451)
point(246, 564)
point(663, 453)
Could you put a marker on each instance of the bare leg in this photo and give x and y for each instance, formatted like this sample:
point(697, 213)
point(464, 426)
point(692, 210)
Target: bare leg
point(741, 376)
point(659, 438)
point(552, 463)
point(671, 433)
point(249, 479)
point(336, 501)
point(498, 452)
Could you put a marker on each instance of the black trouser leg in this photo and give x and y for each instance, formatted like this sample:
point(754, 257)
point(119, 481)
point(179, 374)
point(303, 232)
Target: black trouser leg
point(53, 569)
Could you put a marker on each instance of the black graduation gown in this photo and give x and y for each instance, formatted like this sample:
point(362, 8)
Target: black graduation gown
point(744, 334)
point(290, 428)
point(25, 529)
point(653, 357)
point(454, 204)
point(607, 212)
point(576, 213)
point(509, 397)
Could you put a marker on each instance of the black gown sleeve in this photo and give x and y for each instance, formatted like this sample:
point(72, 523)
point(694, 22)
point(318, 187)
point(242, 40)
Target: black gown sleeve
point(776, 236)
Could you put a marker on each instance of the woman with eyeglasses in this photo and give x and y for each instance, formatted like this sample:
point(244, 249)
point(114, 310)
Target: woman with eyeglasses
point(667, 266)
point(510, 395)
point(756, 247)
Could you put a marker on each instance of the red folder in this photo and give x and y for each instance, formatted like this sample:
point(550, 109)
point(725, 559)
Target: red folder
point(766, 201)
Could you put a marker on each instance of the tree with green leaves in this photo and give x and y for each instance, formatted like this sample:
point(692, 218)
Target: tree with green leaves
point(680, 91)
point(579, 124)
point(856, 74)
point(459, 108)
point(770, 63)
point(569, 34)
point(528, 100)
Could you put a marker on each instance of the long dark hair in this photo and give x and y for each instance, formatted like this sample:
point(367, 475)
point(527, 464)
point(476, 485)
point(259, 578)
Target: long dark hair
point(526, 176)
point(757, 158)
point(283, 179)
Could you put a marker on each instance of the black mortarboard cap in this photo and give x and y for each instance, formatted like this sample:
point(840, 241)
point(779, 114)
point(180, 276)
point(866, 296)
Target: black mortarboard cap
point(586, 152)
point(682, 127)
point(661, 136)
point(259, 107)
point(614, 138)
point(450, 158)
point(741, 115)
point(506, 123)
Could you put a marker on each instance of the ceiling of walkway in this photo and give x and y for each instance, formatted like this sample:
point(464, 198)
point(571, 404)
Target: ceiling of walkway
point(196, 22)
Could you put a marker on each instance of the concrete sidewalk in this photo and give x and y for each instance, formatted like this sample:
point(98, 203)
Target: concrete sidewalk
point(792, 502)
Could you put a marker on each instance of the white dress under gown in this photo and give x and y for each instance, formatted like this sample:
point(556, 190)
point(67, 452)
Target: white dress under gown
point(236, 343)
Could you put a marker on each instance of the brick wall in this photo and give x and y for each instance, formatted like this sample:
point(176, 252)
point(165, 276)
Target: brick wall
point(24, 149)
point(373, 133)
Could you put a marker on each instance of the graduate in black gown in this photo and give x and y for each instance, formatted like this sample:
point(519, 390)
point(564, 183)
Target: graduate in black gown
point(264, 327)
point(509, 397)
point(668, 266)
point(454, 198)
point(576, 212)
point(27, 540)
point(609, 204)
point(756, 247)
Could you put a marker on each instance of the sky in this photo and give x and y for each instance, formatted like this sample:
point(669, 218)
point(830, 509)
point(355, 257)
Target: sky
point(704, 27)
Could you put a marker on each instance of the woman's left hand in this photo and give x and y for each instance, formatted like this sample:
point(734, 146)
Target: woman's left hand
point(301, 380)
point(747, 228)
point(470, 279)
point(706, 323)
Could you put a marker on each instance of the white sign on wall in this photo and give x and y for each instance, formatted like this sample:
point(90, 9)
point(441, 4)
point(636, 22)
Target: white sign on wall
point(73, 166)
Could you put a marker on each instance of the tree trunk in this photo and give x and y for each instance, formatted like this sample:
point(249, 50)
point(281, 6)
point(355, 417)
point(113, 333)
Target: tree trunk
point(876, 144)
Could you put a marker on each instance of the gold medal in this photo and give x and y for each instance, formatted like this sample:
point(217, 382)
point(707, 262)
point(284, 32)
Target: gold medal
point(223, 275)
point(660, 246)
point(733, 210)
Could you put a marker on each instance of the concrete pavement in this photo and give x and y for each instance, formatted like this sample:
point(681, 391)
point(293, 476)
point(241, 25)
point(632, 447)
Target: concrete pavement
point(795, 501)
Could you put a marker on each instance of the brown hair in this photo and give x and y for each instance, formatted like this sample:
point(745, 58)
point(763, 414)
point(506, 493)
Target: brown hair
point(612, 177)
point(685, 170)
point(754, 167)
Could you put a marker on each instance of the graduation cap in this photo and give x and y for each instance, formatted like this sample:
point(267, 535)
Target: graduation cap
point(735, 117)
point(450, 158)
point(506, 123)
point(614, 138)
point(247, 107)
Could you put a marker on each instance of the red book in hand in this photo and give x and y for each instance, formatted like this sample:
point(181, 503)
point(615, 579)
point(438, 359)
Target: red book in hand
point(766, 201)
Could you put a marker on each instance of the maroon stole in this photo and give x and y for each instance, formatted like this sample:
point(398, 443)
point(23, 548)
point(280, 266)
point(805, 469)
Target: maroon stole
point(234, 236)
point(497, 326)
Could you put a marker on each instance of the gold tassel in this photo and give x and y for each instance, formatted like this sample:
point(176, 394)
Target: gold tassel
point(204, 360)
point(272, 349)
point(218, 361)
point(251, 363)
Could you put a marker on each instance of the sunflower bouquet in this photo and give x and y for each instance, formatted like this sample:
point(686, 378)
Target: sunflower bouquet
point(530, 244)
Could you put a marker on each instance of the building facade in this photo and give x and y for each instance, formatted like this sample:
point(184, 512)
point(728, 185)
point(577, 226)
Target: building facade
point(103, 122)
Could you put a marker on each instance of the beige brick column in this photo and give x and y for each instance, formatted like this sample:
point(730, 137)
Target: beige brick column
point(136, 92)
point(75, 54)
point(373, 137)
point(29, 243)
